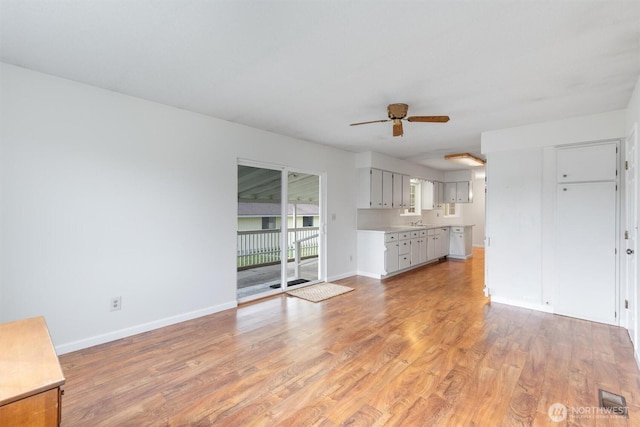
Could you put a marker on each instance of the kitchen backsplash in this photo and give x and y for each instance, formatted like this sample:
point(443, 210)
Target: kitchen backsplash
point(380, 218)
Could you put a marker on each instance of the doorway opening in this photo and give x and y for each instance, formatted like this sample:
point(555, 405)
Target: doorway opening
point(279, 242)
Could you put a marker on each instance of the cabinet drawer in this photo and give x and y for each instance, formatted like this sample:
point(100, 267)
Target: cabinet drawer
point(423, 233)
point(404, 261)
point(415, 233)
point(404, 235)
point(457, 229)
point(405, 246)
point(390, 237)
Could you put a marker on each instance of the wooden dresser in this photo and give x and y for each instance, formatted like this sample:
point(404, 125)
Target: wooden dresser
point(30, 375)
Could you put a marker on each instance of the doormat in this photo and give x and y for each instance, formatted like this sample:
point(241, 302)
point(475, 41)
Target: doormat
point(320, 292)
point(289, 283)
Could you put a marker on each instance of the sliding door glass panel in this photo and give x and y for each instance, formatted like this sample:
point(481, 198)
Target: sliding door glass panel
point(259, 241)
point(303, 228)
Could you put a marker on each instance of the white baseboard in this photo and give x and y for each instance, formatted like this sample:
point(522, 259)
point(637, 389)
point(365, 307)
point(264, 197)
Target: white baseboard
point(366, 274)
point(341, 276)
point(522, 304)
point(138, 329)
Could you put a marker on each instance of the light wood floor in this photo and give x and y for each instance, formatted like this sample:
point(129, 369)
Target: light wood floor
point(421, 349)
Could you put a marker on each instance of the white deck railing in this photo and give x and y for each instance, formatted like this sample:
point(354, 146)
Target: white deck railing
point(262, 247)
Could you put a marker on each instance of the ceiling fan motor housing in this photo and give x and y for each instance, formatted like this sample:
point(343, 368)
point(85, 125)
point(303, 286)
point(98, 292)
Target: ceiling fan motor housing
point(397, 111)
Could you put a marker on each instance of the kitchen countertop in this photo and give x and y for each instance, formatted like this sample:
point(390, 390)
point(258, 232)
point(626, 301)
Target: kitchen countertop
point(399, 228)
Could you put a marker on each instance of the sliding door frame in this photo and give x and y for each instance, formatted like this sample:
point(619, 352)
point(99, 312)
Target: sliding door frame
point(284, 226)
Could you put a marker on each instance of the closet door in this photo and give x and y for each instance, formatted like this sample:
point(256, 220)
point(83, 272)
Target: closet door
point(586, 245)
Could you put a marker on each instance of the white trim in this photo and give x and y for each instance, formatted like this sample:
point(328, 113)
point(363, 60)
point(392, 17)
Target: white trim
point(522, 304)
point(342, 276)
point(138, 329)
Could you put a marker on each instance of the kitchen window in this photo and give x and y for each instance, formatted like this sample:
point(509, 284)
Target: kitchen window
point(415, 203)
point(451, 210)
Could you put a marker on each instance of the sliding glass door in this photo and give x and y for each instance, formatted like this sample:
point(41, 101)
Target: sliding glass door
point(278, 243)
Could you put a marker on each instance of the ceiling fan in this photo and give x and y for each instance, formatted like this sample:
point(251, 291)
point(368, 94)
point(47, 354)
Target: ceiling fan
point(398, 112)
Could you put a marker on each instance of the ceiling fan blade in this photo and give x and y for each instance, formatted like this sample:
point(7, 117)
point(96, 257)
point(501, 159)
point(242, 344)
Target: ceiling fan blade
point(397, 128)
point(432, 119)
point(366, 123)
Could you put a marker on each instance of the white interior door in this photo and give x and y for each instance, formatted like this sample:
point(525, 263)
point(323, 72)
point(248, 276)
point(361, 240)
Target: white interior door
point(631, 236)
point(586, 244)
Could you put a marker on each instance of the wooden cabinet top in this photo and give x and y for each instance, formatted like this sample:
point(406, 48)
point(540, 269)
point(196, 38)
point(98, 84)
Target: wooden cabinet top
point(28, 361)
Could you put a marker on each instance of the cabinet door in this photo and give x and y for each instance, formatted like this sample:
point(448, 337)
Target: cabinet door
point(387, 189)
point(397, 190)
point(406, 190)
point(376, 188)
point(586, 244)
point(457, 246)
point(391, 257)
point(423, 249)
point(428, 195)
point(415, 251)
point(587, 163)
point(451, 192)
point(462, 192)
point(440, 198)
point(443, 242)
point(431, 246)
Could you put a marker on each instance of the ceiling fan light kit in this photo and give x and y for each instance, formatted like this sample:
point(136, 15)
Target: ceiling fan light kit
point(398, 112)
point(465, 159)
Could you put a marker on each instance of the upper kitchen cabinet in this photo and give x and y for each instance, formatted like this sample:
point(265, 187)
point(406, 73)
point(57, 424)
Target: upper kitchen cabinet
point(587, 163)
point(401, 190)
point(428, 199)
point(375, 188)
point(457, 192)
point(438, 193)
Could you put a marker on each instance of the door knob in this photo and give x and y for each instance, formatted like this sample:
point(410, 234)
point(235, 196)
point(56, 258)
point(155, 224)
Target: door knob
point(629, 251)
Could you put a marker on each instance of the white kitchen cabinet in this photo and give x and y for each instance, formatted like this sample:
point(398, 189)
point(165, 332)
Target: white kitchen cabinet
point(383, 253)
point(460, 243)
point(457, 192)
point(438, 193)
point(380, 189)
point(391, 257)
point(387, 190)
point(404, 254)
point(442, 242)
point(431, 245)
point(463, 192)
point(423, 246)
point(594, 162)
point(428, 195)
point(406, 191)
point(450, 192)
point(401, 189)
point(418, 247)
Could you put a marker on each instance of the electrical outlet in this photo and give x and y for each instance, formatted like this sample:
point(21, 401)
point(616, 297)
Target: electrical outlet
point(116, 303)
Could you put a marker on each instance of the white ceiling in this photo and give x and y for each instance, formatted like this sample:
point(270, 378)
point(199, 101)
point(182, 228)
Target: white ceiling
point(308, 69)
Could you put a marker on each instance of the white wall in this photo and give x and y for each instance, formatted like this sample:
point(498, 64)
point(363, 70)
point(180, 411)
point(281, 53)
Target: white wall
point(108, 195)
point(633, 122)
point(520, 164)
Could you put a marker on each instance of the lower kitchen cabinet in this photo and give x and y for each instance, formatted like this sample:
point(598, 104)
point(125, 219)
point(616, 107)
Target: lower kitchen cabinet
point(382, 253)
point(460, 246)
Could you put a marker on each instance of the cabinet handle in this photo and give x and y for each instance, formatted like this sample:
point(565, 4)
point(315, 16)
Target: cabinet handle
point(564, 175)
